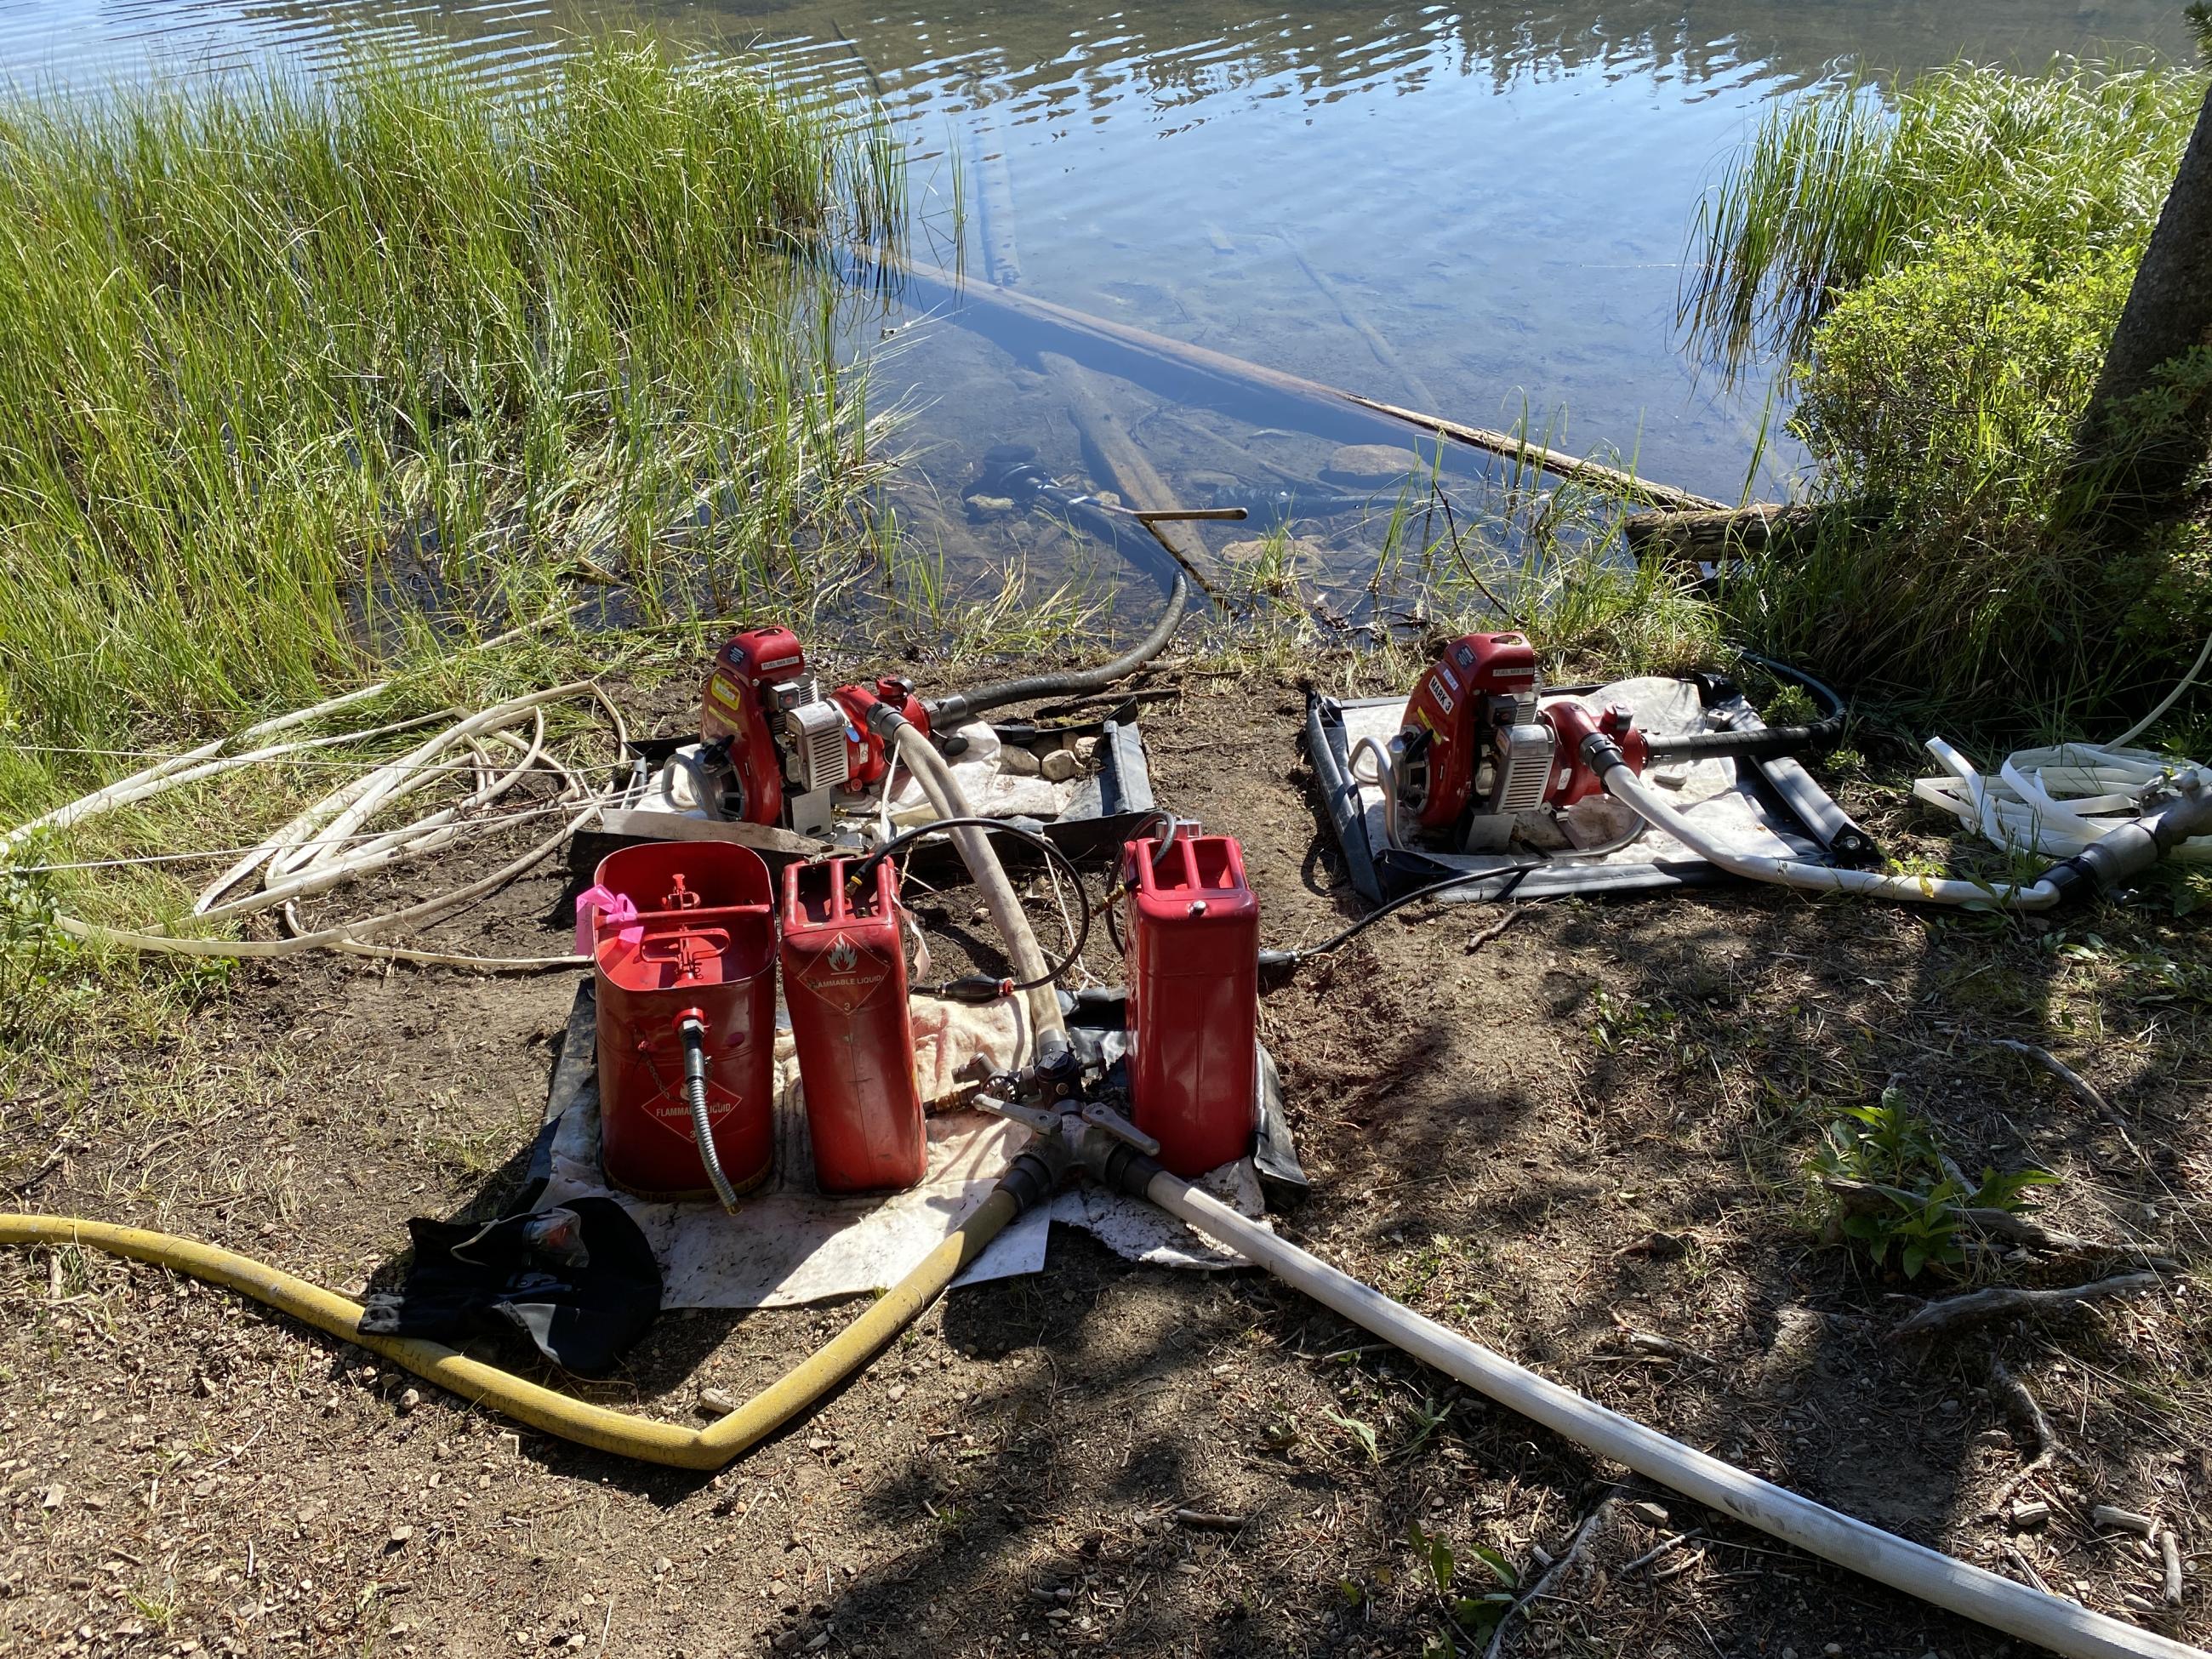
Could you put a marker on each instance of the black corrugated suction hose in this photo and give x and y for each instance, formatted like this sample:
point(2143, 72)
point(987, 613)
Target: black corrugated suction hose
point(1764, 744)
point(1767, 742)
point(960, 704)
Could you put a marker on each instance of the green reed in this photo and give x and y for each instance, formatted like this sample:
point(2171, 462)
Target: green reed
point(1838, 185)
point(299, 382)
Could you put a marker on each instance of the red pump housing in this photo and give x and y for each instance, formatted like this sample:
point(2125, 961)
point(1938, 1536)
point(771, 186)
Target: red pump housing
point(1477, 681)
point(703, 939)
point(736, 709)
point(1194, 942)
point(865, 754)
point(844, 981)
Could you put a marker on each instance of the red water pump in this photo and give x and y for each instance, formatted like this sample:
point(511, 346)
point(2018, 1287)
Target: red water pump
point(777, 750)
point(1476, 750)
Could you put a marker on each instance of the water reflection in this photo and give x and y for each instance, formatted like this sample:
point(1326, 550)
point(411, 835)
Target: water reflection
point(1480, 209)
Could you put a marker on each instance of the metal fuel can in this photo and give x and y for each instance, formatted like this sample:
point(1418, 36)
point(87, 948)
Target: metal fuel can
point(1193, 934)
point(689, 928)
point(844, 981)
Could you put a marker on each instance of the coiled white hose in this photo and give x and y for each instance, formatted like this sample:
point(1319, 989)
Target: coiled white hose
point(2056, 801)
point(327, 844)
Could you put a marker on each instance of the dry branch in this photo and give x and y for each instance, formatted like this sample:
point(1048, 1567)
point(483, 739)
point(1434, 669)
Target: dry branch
point(1978, 1307)
point(1585, 1535)
point(2081, 1088)
point(2025, 1407)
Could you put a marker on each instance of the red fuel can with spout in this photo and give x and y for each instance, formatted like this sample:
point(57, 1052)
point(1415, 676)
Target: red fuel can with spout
point(844, 981)
point(1193, 932)
point(678, 926)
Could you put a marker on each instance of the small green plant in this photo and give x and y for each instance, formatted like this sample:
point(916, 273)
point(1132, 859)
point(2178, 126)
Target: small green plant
point(30, 945)
point(1890, 1153)
point(1427, 1418)
point(1791, 706)
point(1468, 1619)
point(1363, 1432)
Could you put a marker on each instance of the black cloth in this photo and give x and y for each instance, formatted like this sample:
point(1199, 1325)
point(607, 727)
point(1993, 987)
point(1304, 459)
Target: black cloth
point(579, 1280)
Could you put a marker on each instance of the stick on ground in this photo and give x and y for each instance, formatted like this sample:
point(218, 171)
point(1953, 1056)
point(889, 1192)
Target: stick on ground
point(1978, 1307)
point(2025, 1409)
point(1585, 1535)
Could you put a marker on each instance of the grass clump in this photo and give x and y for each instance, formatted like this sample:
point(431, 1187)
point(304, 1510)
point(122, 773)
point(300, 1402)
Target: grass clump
point(299, 380)
point(1947, 279)
point(1837, 187)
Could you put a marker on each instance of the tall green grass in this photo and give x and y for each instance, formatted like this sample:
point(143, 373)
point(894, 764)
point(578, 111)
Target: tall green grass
point(299, 380)
point(1946, 279)
point(1840, 185)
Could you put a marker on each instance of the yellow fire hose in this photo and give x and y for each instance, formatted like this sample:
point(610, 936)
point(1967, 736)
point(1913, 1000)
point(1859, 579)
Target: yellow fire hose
point(791, 1394)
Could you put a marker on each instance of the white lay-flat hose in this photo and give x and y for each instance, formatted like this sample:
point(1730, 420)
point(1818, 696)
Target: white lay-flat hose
point(938, 782)
point(2057, 800)
point(1624, 785)
point(2063, 1626)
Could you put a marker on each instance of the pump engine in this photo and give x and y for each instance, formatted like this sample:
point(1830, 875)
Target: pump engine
point(1478, 750)
point(774, 748)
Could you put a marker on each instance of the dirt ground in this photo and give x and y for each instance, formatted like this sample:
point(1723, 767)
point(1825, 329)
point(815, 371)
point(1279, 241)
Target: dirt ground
point(1582, 1142)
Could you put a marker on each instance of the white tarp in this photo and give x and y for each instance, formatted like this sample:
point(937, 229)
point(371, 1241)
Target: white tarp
point(789, 1243)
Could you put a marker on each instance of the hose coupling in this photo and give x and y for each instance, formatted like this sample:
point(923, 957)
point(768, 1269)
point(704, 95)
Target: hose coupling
point(1601, 754)
point(884, 720)
point(2130, 850)
point(1113, 1163)
point(1036, 1171)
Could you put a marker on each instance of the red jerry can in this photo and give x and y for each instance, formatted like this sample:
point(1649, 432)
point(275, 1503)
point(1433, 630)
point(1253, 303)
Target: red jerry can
point(844, 981)
point(703, 938)
point(1193, 999)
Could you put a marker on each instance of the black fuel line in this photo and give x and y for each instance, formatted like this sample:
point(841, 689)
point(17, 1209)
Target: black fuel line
point(1284, 961)
point(979, 987)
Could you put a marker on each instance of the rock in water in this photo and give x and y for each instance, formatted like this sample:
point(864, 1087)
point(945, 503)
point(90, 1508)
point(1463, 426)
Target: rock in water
point(1371, 464)
point(1059, 766)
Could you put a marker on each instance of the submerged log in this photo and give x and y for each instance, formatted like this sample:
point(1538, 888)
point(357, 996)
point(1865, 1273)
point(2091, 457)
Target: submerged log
point(1384, 352)
point(1124, 468)
point(1249, 376)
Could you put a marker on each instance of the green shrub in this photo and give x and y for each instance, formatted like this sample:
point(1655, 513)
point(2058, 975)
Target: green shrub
point(1944, 395)
point(1947, 279)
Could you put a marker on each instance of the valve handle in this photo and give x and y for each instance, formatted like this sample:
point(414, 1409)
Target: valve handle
point(1035, 1118)
point(1100, 1115)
